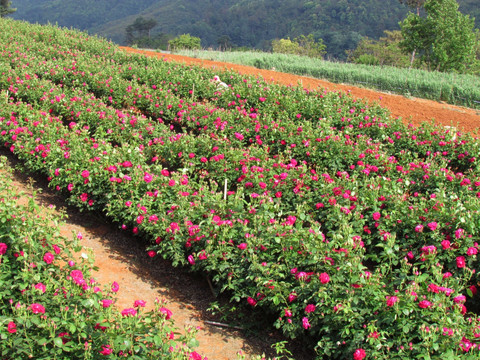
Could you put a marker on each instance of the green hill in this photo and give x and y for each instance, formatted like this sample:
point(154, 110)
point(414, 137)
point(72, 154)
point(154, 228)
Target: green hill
point(249, 23)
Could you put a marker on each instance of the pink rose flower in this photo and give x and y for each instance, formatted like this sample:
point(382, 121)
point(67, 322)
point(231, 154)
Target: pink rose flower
point(106, 350)
point(77, 277)
point(432, 225)
point(12, 327)
point(48, 257)
point(460, 262)
point(106, 303)
point(194, 356)
point(129, 312)
point(459, 233)
point(472, 251)
point(391, 300)
point(147, 177)
point(139, 303)
point(166, 312)
point(305, 323)
point(292, 297)
point(239, 136)
point(56, 249)
point(445, 244)
point(3, 248)
point(37, 308)
point(324, 278)
point(424, 304)
point(41, 287)
point(359, 354)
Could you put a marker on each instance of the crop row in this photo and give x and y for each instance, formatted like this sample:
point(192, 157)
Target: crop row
point(459, 89)
point(51, 306)
point(350, 229)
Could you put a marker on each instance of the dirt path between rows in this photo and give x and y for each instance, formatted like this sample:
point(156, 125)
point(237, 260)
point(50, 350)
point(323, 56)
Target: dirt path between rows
point(120, 258)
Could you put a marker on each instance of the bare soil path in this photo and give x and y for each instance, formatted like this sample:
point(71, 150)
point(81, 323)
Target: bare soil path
point(120, 258)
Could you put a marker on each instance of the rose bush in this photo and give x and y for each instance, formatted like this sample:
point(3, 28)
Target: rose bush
point(52, 308)
point(354, 231)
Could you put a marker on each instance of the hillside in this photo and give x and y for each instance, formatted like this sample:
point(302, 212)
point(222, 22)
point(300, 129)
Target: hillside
point(250, 23)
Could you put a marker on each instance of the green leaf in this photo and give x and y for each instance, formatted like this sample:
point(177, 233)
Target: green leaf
point(193, 343)
point(58, 342)
point(88, 303)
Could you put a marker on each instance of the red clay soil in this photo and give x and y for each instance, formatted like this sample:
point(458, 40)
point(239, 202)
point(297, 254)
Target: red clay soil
point(119, 256)
point(411, 110)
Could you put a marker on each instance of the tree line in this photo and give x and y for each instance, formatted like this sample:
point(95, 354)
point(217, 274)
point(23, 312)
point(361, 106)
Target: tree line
point(435, 36)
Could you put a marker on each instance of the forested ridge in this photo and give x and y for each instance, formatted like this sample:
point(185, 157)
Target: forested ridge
point(245, 23)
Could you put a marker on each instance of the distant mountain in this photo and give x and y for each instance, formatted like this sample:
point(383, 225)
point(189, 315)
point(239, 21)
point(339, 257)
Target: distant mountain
point(250, 23)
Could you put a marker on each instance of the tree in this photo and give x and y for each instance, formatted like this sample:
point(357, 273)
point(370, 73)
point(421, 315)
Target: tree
point(139, 30)
point(5, 8)
point(285, 46)
point(224, 42)
point(476, 66)
point(185, 41)
point(142, 26)
point(445, 38)
point(384, 51)
point(416, 4)
point(302, 45)
point(309, 47)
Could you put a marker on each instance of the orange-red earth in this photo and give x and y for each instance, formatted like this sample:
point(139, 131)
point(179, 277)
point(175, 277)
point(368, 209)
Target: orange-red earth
point(119, 257)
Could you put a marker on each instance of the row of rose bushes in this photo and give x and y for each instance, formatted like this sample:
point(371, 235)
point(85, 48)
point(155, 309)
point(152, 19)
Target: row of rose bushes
point(51, 307)
point(351, 229)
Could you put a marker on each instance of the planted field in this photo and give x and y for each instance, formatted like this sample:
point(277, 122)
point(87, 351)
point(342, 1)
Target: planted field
point(335, 222)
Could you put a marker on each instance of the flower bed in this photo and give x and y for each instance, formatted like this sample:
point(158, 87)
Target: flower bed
point(52, 308)
point(352, 230)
